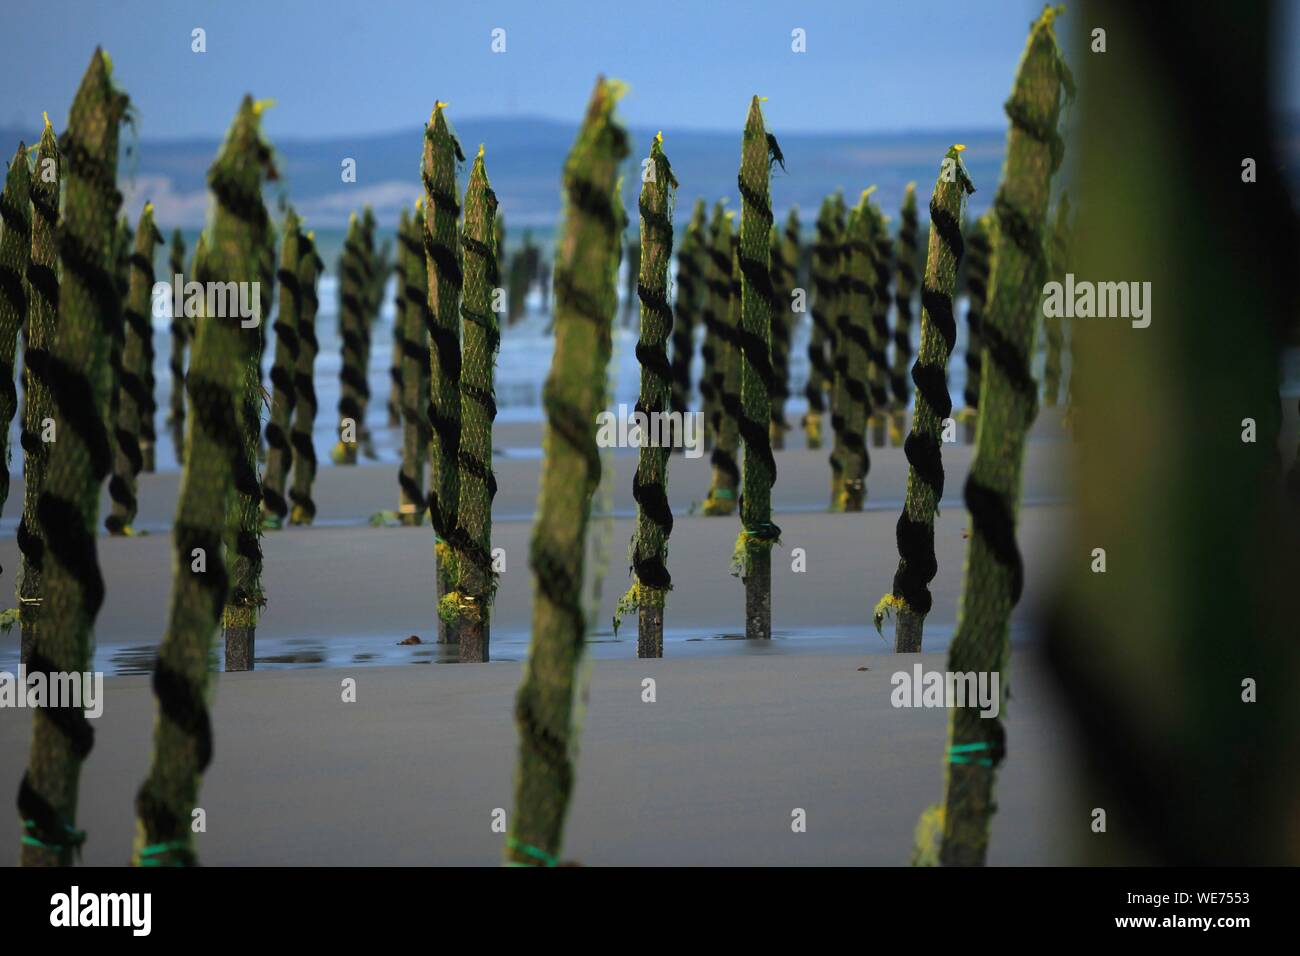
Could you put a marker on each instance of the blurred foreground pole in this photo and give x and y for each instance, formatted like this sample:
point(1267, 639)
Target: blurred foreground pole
point(994, 573)
point(550, 701)
point(1179, 662)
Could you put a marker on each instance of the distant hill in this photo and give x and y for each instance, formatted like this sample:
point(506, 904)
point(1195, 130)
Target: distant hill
point(525, 157)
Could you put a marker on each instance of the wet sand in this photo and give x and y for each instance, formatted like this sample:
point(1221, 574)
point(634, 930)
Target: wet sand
point(742, 732)
point(709, 774)
point(345, 592)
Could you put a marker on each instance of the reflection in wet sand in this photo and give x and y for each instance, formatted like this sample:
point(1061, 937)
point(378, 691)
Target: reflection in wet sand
point(508, 647)
point(132, 661)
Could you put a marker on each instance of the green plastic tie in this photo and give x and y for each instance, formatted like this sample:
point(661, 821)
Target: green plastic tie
point(764, 531)
point(154, 853)
point(72, 840)
point(961, 753)
point(528, 849)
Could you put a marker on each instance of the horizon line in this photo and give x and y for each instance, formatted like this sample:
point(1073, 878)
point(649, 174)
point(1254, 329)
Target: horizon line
point(567, 124)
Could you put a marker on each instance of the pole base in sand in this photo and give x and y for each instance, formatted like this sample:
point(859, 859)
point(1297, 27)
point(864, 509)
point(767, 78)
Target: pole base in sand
point(758, 596)
point(650, 631)
point(907, 635)
point(966, 814)
point(852, 492)
point(239, 648)
point(472, 636)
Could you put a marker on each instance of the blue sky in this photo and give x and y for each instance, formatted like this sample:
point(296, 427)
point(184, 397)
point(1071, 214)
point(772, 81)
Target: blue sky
point(339, 67)
point(352, 67)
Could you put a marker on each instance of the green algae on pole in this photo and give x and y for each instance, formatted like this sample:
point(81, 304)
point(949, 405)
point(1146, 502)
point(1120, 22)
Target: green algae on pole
point(690, 293)
point(15, 254)
point(785, 266)
point(233, 187)
point(499, 244)
point(1059, 262)
point(352, 318)
point(600, 530)
point(266, 273)
point(148, 382)
point(654, 519)
point(122, 278)
point(68, 507)
point(218, 464)
point(852, 336)
point(413, 321)
point(180, 334)
point(366, 266)
point(148, 404)
point(134, 401)
point(910, 598)
point(470, 604)
point(377, 267)
point(849, 344)
point(994, 570)
point(715, 291)
point(979, 263)
point(725, 481)
point(905, 261)
point(399, 324)
point(38, 400)
point(758, 302)
point(586, 298)
point(824, 279)
point(793, 254)
point(279, 456)
point(839, 318)
point(310, 267)
point(715, 273)
point(779, 349)
point(882, 253)
point(442, 258)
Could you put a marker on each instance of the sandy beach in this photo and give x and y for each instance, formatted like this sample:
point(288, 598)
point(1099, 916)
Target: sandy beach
point(741, 733)
point(346, 592)
point(709, 774)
